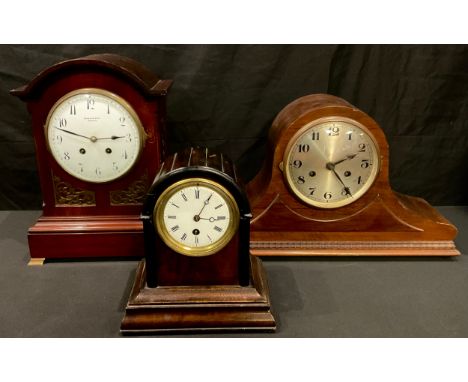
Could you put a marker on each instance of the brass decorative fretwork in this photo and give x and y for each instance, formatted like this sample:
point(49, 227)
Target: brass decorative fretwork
point(67, 195)
point(134, 194)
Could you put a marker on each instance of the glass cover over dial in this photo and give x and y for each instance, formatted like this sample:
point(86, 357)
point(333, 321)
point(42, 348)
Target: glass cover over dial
point(94, 135)
point(196, 217)
point(331, 162)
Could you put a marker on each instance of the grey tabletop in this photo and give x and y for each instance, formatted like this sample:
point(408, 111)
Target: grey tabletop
point(312, 297)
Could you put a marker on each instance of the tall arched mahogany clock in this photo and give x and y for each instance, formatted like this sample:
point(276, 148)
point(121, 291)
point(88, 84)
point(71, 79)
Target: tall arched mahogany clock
point(198, 273)
point(98, 125)
point(324, 190)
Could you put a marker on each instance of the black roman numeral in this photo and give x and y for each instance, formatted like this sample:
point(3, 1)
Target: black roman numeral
point(197, 193)
point(183, 196)
point(171, 216)
point(175, 228)
point(184, 236)
point(218, 206)
point(216, 228)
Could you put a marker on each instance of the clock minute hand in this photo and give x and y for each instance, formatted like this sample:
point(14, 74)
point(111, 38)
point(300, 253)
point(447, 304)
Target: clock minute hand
point(205, 203)
point(72, 133)
point(331, 166)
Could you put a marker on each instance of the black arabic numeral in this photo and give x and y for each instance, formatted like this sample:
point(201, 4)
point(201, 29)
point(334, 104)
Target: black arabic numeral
point(72, 110)
point(315, 136)
point(334, 131)
point(90, 104)
point(312, 190)
point(300, 180)
point(327, 195)
point(365, 163)
point(362, 147)
point(297, 163)
point(304, 148)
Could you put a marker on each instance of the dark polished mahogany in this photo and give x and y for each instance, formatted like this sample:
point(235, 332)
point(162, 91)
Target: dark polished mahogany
point(223, 291)
point(94, 220)
point(380, 223)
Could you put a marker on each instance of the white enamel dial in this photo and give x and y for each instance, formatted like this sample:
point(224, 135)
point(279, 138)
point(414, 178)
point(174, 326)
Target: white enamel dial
point(196, 217)
point(331, 162)
point(94, 135)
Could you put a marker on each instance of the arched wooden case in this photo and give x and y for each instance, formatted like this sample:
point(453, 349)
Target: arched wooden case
point(381, 223)
point(83, 219)
point(226, 290)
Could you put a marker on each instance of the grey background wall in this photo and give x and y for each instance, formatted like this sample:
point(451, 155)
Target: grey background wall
point(226, 96)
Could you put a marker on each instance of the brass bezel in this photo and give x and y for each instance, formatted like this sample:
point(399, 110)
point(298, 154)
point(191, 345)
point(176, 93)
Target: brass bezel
point(140, 129)
point(344, 202)
point(158, 217)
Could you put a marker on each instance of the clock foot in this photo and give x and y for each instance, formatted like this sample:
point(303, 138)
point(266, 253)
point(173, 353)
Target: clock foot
point(199, 309)
point(36, 261)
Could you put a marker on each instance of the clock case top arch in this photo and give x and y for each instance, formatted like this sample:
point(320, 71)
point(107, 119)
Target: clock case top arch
point(381, 222)
point(100, 219)
point(140, 88)
point(232, 263)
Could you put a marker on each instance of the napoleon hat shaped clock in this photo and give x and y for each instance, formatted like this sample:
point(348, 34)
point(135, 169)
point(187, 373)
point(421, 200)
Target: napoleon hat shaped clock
point(324, 190)
point(98, 125)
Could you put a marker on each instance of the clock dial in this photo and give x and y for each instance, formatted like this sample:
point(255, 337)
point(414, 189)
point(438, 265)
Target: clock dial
point(331, 162)
point(196, 217)
point(94, 135)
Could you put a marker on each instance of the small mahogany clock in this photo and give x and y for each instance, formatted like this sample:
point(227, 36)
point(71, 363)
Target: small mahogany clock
point(324, 190)
point(98, 125)
point(198, 273)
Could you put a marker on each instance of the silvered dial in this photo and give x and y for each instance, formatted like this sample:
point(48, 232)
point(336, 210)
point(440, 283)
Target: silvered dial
point(331, 162)
point(196, 217)
point(94, 135)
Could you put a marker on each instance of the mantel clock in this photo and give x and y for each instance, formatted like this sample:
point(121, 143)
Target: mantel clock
point(198, 273)
point(324, 190)
point(98, 125)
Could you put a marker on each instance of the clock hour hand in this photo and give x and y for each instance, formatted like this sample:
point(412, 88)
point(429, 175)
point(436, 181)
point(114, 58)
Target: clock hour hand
point(348, 157)
point(331, 167)
point(113, 137)
point(72, 133)
point(211, 220)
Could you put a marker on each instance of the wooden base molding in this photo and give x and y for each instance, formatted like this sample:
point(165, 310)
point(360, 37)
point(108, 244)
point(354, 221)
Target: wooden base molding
point(199, 308)
point(76, 237)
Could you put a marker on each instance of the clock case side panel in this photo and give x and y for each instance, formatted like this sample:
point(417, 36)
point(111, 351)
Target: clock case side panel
point(99, 228)
point(162, 261)
point(283, 225)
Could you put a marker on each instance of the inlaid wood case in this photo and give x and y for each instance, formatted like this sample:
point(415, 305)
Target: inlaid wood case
point(324, 190)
